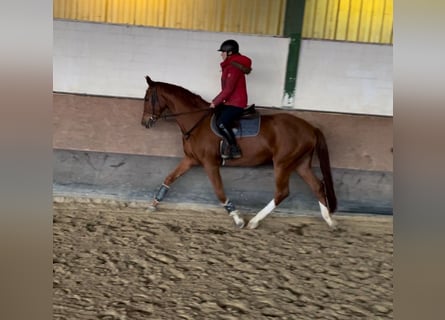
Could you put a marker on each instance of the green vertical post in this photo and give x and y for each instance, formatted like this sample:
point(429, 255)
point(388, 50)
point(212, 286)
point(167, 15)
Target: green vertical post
point(293, 27)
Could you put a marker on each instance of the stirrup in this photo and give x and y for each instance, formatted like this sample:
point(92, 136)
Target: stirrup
point(224, 147)
point(235, 152)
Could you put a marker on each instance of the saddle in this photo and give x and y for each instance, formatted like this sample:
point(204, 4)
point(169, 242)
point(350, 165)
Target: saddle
point(249, 111)
point(248, 125)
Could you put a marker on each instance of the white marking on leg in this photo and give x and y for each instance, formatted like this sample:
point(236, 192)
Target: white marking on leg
point(325, 214)
point(228, 205)
point(239, 222)
point(253, 223)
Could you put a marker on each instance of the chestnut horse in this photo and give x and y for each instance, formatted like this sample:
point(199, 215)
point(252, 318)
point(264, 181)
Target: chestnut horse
point(284, 140)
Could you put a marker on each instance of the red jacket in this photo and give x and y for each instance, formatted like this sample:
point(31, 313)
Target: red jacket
point(233, 81)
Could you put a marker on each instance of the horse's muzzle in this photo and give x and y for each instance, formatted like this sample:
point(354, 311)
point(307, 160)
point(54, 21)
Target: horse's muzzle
point(149, 122)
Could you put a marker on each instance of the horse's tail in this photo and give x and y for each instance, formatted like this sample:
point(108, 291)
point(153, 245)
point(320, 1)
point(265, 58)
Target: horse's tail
point(325, 166)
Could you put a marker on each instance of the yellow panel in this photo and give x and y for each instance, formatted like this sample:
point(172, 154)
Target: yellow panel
point(129, 11)
point(67, 7)
point(277, 20)
point(309, 17)
point(209, 17)
point(196, 20)
point(97, 10)
point(354, 20)
point(387, 26)
point(141, 12)
point(118, 11)
point(112, 11)
point(213, 10)
point(343, 20)
point(350, 20)
point(156, 13)
point(376, 25)
point(176, 21)
point(331, 20)
point(262, 21)
point(243, 22)
point(170, 14)
point(59, 9)
point(246, 16)
point(320, 21)
point(231, 15)
point(256, 22)
point(365, 21)
point(72, 9)
point(83, 12)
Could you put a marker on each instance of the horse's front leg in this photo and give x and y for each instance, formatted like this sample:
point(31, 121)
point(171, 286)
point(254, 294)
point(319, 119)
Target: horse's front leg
point(184, 166)
point(214, 175)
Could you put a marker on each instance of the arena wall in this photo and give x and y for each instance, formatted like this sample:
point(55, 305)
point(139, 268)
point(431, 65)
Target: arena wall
point(101, 149)
point(112, 60)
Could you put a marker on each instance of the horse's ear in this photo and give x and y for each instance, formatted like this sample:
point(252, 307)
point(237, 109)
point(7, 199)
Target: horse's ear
point(149, 81)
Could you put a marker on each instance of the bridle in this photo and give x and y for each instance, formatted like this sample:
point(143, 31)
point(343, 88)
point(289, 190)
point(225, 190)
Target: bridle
point(153, 118)
point(154, 101)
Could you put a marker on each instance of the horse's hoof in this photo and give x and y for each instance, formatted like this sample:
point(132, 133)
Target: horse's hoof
point(333, 225)
point(252, 224)
point(152, 207)
point(240, 224)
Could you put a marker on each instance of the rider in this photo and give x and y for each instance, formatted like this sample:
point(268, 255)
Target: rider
point(232, 99)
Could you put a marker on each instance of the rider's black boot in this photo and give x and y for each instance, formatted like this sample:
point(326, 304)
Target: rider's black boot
point(232, 150)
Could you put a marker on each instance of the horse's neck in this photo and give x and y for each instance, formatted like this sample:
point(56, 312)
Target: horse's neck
point(184, 103)
point(179, 105)
point(184, 107)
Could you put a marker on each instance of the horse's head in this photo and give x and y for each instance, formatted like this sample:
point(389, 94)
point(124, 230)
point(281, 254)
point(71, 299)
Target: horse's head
point(154, 104)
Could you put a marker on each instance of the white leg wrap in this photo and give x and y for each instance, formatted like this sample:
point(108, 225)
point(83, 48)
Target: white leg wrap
point(253, 223)
point(265, 211)
point(239, 222)
point(325, 214)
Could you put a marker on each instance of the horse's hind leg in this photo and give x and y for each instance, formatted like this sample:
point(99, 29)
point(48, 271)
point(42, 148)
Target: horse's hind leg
point(281, 192)
point(317, 187)
point(185, 165)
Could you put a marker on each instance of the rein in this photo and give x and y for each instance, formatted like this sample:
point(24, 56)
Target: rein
point(187, 134)
point(173, 115)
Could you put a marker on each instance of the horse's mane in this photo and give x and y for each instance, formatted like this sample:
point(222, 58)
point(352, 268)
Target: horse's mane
point(184, 94)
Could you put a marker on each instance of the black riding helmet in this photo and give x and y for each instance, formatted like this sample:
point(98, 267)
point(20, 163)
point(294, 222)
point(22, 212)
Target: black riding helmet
point(229, 45)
